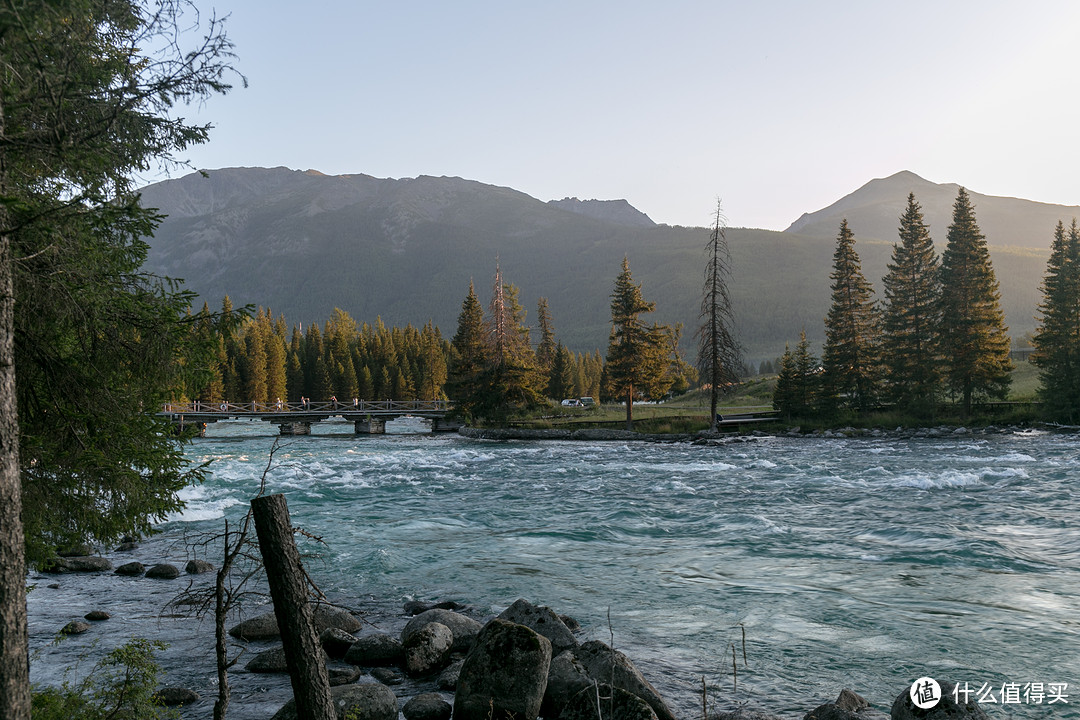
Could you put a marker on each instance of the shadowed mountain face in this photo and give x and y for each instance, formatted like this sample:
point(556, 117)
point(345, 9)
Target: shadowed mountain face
point(873, 212)
point(303, 243)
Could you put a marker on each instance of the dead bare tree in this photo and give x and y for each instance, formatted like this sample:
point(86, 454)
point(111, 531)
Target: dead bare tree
point(719, 352)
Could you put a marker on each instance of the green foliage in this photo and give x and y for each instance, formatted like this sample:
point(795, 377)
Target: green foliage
point(974, 338)
point(912, 317)
point(852, 332)
point(120, 686)
point(1058, 338)
point(639, 356)
point(798, 385)
point(98, 342)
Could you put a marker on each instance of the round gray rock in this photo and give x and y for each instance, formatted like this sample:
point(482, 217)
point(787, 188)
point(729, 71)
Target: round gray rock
point(369, 701)
point(566, 678)
point(428, 706)
point(131, 569)
point(947, 708)
point(375, 649)
point(75, 627)
point(504, 675)
point(336, 642)
point(615, 704)
point(607, 665)
point(176, 696)
point(428, 650)
point(163, 571)
point(544, 621)
point(198, 567)
point(464, 628)
point(87, 564)
point(96, 615)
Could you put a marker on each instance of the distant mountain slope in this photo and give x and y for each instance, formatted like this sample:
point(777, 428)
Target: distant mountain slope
point(303, 243)
point(616, 211)
point(873, 212)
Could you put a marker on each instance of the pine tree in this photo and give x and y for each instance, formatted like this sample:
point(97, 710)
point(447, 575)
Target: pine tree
point(468, 357)
point(512, 380)
point(546, 348)
point(852, 331)
point(798, 382)
point(637, 357)
point(975, 343)
point(912, 317)
point(560, 378)
point(1057, 341)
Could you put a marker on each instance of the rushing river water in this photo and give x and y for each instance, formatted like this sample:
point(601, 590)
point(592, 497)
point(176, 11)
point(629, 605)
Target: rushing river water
point(860, 563)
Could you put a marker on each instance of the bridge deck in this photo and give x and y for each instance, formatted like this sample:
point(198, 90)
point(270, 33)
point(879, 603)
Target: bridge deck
point(286, 412)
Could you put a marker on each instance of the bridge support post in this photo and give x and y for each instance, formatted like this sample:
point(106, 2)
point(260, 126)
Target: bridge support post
point(445, 425)
point(371, 426)
point(294, 428)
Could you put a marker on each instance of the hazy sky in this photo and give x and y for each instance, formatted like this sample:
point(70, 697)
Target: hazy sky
point(777, 108)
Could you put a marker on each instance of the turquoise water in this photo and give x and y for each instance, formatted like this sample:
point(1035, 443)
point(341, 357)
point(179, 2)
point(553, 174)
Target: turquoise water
point(860, 563)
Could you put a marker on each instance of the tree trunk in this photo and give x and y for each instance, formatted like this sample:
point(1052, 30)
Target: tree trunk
point(630, 406)
point(14, 643)
point(288, 588)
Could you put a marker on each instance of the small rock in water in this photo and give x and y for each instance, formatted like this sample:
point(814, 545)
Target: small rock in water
point(97, 615)
point(343, 675)
point(131, 569)
point(375, 649)
point(75, 627)
point(198, 567)
point(176, 696)
point(387, 676)
point(127, 546)
point(163, 571)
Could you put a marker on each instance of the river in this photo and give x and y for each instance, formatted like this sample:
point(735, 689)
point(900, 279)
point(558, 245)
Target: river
point(862, 563)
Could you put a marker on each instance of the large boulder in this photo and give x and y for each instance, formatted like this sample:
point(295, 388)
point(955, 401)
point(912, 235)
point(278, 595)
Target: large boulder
point(504, 675)
point(464, 628)
point(544, 621)
point(904, 708)
point(374, 650)
point(848, 706)
point(607, 665)
point(265, 627)
point(427, 706)
point(566, 678)
point(176, 696)
point(428, 650)
point(336, 642)
point(604, 702)
point(368, 701)
point(198, 567)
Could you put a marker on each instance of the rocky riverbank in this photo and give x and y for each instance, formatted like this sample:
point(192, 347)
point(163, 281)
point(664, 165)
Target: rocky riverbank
point(431, 662)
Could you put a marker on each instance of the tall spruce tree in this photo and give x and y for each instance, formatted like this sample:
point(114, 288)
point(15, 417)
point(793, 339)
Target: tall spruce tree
point(1057, 341)
point(798, 383)
point(468, 357)
point(546, 348)
point(512, 380)
point(87, 102)
point(912, 317)
point(638, 359)
point(975, 343)
point(719, 356)
point(852, 332)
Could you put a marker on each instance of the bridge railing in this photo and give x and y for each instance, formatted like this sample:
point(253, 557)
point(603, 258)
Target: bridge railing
point(333, 407)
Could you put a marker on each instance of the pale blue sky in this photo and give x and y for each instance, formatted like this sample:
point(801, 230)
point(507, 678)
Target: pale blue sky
point(778, 108)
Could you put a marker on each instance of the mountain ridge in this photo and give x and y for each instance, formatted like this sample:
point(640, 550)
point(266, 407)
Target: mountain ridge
point(405, 250)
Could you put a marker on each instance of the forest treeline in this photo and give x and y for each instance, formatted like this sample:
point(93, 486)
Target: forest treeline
point(940, 334)
point(262, 358)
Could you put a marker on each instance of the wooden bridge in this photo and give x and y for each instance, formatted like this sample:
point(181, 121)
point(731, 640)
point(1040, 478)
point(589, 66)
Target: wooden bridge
point(296, 418)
